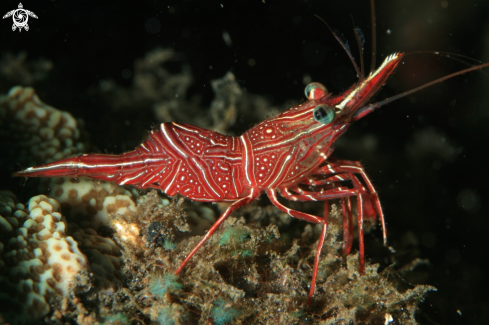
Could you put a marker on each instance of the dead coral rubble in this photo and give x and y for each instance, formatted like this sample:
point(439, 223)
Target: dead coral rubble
point(250, 275)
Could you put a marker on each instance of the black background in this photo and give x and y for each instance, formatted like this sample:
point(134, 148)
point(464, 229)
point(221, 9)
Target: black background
point(89, 41)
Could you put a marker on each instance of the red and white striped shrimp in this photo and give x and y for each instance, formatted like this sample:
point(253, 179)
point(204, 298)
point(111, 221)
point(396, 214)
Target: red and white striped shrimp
point(289, 154)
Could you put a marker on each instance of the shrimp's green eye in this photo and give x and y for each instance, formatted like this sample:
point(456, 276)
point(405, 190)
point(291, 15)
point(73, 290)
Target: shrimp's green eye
point(315, 90)
point(324, 114)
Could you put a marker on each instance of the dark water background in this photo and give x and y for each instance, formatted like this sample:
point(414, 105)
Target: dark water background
point(436, 206)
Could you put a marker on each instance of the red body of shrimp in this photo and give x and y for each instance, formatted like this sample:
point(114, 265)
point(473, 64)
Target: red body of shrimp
point(288, 154)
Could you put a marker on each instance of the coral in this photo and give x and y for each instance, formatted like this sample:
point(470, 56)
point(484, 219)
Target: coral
point(90, 204)
point(154, 86)
point(33, 132)
point(43, 262)
point(152, 83)
point(224, 106)
point(91, 207)
point(105, 258)
point(93, 204)
point(15, 69)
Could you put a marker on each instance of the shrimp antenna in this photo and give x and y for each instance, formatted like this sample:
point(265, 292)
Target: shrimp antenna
point(371, 107)
point(360, 41)
point(453, 56)
point(345, 47)
point(374, 35)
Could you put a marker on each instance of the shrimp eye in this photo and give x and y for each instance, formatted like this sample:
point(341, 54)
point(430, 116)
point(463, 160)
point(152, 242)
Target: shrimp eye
point(324, 114)
point(315, 90)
